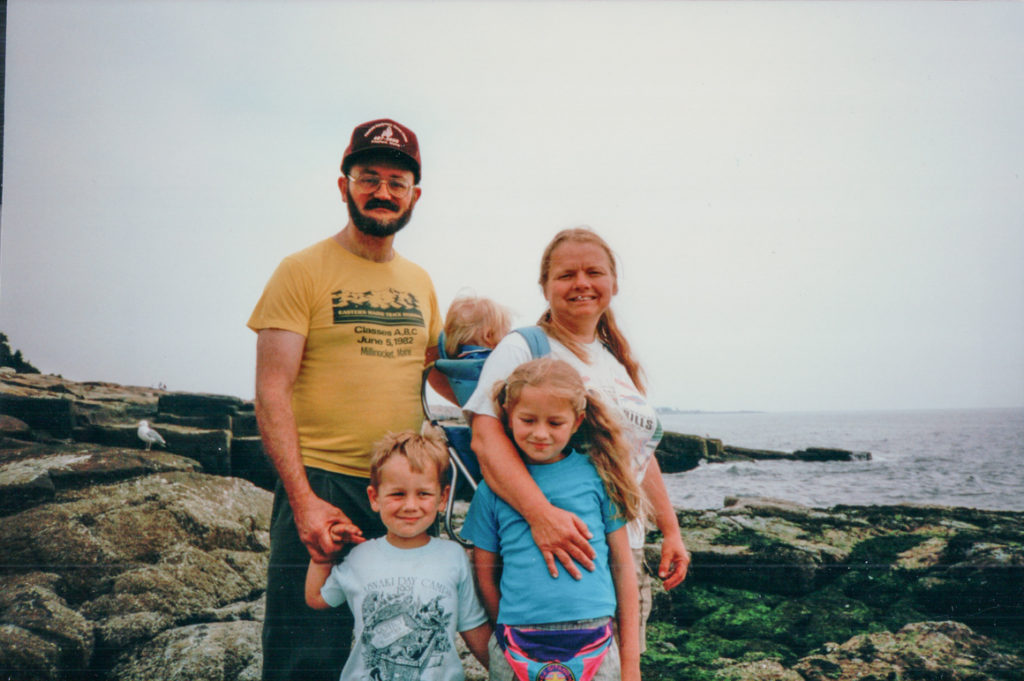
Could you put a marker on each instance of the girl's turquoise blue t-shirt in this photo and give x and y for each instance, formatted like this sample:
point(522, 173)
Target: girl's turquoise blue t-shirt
point(529, 595)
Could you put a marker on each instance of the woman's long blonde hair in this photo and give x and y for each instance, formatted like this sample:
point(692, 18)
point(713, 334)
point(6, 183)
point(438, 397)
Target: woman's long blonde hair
point(608, 331)
point(600, 436)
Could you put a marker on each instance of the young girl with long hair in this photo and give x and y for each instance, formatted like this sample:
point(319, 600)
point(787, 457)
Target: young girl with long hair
point(576, 451)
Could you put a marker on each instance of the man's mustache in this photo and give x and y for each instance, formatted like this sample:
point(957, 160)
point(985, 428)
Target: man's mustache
point(381, 203)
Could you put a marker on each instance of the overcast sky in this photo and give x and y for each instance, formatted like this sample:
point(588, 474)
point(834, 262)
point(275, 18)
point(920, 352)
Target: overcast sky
point(817, 205)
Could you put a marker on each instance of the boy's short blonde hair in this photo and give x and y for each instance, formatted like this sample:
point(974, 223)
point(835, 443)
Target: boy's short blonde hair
point(469, 319)
point(423, 452)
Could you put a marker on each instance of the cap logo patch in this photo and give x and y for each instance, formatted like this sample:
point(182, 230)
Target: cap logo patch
point(386, 136)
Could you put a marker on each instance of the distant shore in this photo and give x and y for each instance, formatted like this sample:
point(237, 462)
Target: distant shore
point(671, 410)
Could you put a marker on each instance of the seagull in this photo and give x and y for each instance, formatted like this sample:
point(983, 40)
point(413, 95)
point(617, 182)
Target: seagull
point(149, 436)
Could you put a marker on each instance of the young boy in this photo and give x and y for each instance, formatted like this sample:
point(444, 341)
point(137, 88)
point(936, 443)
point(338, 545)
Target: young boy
point(473, 326)
point(409, 592)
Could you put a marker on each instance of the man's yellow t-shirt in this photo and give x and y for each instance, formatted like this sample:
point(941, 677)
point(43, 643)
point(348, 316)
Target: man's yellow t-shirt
point(367, 327)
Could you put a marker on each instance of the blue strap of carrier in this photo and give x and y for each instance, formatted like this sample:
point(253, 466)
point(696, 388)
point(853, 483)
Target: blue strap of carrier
point(536, 339)
point(534, 335)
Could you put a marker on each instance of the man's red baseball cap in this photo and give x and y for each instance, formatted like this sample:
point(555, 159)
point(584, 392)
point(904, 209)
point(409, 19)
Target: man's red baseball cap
point(385, 135)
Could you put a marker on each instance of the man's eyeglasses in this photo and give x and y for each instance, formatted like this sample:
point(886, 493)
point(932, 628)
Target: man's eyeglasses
point(369, 184)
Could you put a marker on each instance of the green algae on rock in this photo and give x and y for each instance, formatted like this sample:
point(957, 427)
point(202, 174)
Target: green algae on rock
point(778, 591)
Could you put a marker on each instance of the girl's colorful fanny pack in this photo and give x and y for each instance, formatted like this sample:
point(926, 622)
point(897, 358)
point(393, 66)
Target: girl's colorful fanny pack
point(548, 654)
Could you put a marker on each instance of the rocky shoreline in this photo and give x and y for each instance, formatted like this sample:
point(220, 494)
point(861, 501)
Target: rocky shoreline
point(782, 591)
point(120, 564)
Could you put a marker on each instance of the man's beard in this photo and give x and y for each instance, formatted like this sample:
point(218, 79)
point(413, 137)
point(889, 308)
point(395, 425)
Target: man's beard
point(372, 226)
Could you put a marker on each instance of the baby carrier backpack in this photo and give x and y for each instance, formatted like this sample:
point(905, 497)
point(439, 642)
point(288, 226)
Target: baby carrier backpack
point(463, 374)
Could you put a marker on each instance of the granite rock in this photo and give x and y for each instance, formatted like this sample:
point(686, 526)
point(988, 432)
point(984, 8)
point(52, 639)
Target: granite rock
point(777, 589)
point(120, 547)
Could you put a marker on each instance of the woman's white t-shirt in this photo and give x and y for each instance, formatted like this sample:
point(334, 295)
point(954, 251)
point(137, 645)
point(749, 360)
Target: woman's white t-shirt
point(603, 374)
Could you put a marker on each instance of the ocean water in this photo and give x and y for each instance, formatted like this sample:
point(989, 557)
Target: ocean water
point(972, 458)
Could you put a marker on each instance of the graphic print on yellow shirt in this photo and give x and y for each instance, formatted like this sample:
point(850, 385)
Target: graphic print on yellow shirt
point(388, 308)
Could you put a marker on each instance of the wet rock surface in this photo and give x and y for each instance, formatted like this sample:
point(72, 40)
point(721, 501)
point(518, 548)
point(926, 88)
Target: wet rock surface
point(782, 591)
point(111, 558)
point(217, 431)
point(678, 452)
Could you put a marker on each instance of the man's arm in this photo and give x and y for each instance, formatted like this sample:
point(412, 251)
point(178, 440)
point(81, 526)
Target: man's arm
point(559, 534)
point(278, 357)
point(675, 559)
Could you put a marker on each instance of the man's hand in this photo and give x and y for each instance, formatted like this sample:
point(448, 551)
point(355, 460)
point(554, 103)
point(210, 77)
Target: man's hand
point(562, 536)
point(324, 529)
point(675, 561)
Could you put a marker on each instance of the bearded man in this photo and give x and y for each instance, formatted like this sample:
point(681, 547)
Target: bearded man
point(344, 329)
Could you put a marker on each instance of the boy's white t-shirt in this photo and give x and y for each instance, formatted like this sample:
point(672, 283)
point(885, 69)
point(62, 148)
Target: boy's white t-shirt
point(408, 605)
point(605, 374)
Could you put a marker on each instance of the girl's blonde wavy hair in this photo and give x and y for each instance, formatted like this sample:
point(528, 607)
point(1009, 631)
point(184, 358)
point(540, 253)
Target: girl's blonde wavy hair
point(600, 436)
